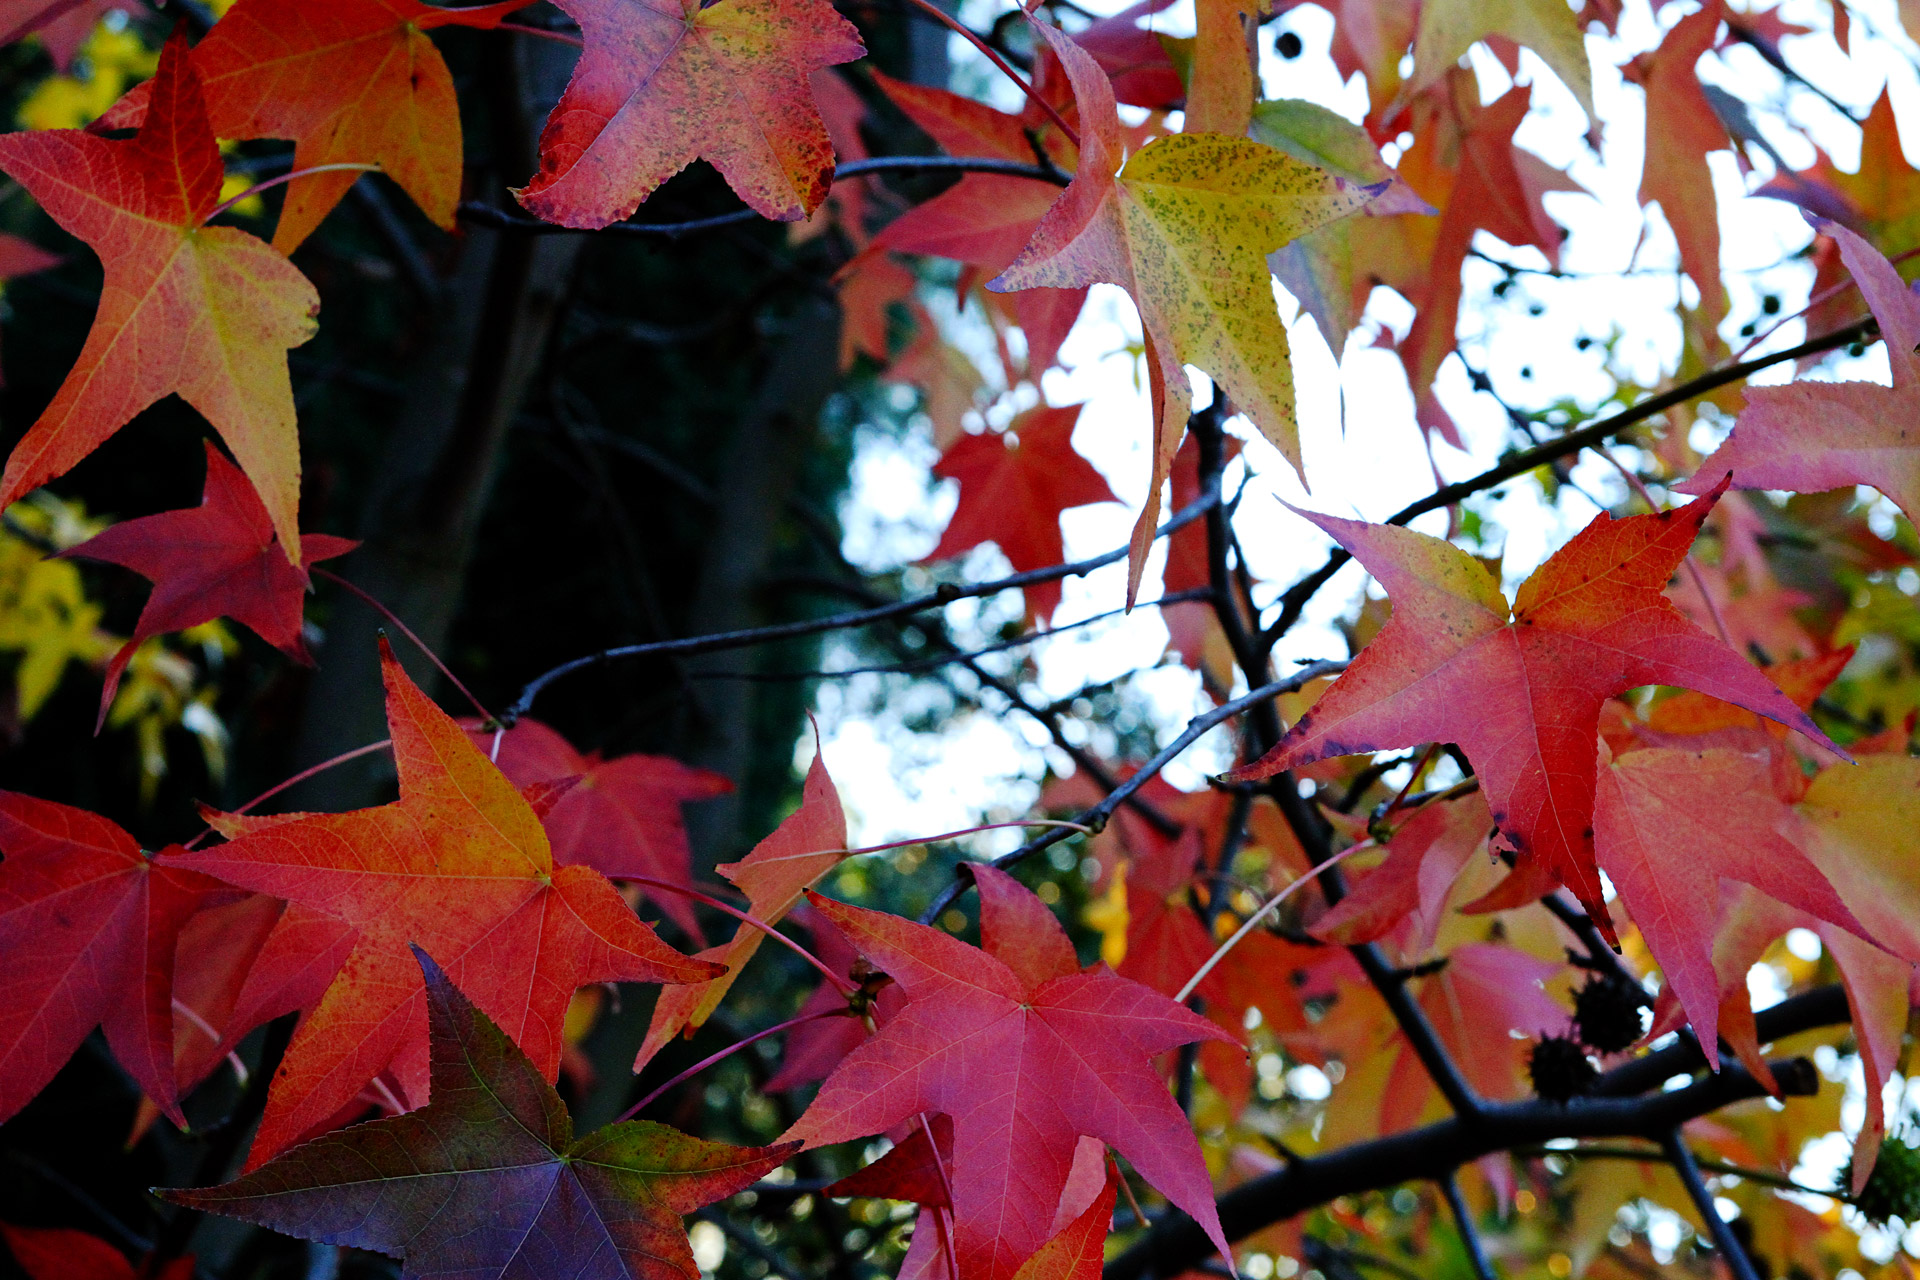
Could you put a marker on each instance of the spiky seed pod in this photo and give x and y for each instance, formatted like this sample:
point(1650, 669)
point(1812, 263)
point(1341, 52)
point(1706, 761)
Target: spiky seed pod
point(1606, 1013)
point(1560, 1069)
point(1893, 1188)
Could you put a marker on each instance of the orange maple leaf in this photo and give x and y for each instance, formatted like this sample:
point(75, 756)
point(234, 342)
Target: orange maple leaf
point(459, 866)
point(349, 82)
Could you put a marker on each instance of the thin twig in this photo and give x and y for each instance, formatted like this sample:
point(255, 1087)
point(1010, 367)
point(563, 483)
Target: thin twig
point(297, 779)
point(921, 665)
point(1294, 600)
point(992, 55)
point(728, 1052)
point(844, 986)
point(1096, 817)
point(945, 595)
point(1252, 922)
point(1680, 1156)
point(406, 631)
point(493, 216)
point(270, 183)
point(1767, 1177)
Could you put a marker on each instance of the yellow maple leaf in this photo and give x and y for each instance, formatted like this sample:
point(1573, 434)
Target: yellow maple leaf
point(1185, 227)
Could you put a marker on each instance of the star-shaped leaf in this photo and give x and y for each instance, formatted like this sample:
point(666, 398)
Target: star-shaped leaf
point(1013, 487)
point(1808, 436)
point(219, 559)
point(1520, 689)
point(662, 83)
point(349, 82)
point(807, 845)
point(87, 931)
point(1026, 1053)
point(207, 313)
point(459, 864)
point(1448, 28)
point(621, 816)
point(488, 1180)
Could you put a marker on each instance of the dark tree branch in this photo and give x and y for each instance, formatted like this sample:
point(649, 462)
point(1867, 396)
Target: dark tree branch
point(1295, 598)
point(1680, 1156)
point(939, 598)
point(489, 215)
point(1096, 817)
point(921, 665)
point(1469, 1234)
point(1619, 1108)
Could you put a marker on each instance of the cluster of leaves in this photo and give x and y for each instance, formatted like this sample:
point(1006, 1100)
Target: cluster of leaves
point(1708, 744)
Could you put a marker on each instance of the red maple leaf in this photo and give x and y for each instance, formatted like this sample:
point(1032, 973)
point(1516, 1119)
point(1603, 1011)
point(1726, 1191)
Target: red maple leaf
point(1013, 487)
point(804, 847)
point(621, 816)
point(461, 864)
point(1026, 1053)
point(54, 1253)
point(1520, 688)
point(204, 312)
point(219, 559)
point(88, 925)
point(659, 87)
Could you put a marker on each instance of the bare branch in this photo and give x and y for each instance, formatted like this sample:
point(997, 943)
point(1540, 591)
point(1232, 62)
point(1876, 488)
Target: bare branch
point(1295, 598)
point(1680, 1156)
point(944, 595)
point(1469, 1234)
point(1175, 1243)
point(489, 215)
point(1097, 816)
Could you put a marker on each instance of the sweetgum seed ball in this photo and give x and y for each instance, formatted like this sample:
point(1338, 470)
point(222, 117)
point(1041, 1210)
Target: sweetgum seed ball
point(1560, 1069)
point(1606, 1013)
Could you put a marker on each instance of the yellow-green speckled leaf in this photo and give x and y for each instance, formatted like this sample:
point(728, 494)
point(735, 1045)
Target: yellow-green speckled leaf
point(1184, 225)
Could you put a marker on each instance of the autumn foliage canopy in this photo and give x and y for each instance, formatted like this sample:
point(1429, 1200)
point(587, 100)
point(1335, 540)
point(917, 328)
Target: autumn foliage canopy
point(1565, 923)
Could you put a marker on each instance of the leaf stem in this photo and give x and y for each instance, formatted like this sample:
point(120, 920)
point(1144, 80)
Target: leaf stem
point(1252, 922)
point(939, 598)
point(841, 984)
point(728, 1052)
point(558, 37)
point(297, 779)
point(258, 187)
point(406, 631)
point(992, 55)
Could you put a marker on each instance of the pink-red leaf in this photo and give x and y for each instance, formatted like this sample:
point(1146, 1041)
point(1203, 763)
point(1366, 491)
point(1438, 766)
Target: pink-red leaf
point(88, 926)
point(1023, 1068)
point(1520, 690)
point(218, 559)
point(662, 83)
